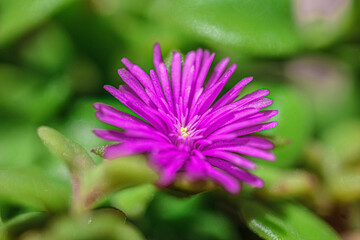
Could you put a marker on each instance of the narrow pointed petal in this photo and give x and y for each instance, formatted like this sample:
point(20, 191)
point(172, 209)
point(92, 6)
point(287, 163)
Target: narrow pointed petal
point(249, 151)
point(230, 96)
point(165, 82)
point(236, 172)
point(218, 71)
point(232, 158)
point(204, 69)
point(134, 84)
point(131, 148)
point(228, 182)
point(176, 77)
point(169, 172)
point(140, 74)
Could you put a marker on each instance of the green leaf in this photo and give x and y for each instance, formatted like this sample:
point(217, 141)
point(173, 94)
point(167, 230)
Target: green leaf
point(114, 175)
point(18, 17)
point(97, 225)
point(133, 201)
point(169, 207)
point(75, 157)
point(23, 222)
point(221, 226)
point(32, 188)
point(2, 230)
point(285, 221)
point(256, 27)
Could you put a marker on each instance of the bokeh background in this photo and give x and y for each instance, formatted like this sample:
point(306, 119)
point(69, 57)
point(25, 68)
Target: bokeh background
point(56, 55)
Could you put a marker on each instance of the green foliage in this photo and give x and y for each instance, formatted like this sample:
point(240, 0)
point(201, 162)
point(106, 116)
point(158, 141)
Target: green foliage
point(114, 175)
point(134, 201)
point(18, 17)
point(48, 51)
point(90, 182)
point(75, 157)
point(33, 188)
point(35, 97)
point(56, 55)
point(99, 225)
point(170, 217)
point(284, 220)
point(21, 223)
point(234, 24)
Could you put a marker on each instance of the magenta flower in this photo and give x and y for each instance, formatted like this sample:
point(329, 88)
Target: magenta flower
point(186, 130)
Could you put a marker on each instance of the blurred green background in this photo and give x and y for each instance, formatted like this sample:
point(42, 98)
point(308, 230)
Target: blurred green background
point(56, 55)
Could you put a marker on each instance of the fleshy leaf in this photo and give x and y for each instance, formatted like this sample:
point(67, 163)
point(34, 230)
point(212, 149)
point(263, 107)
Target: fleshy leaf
point(32, 188)
point(114, 175)
point(23, 222)
point(285, 221)
point(98, 225)
point(75, 157)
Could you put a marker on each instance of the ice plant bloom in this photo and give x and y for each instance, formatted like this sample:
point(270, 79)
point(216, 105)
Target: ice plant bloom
point(186, 130)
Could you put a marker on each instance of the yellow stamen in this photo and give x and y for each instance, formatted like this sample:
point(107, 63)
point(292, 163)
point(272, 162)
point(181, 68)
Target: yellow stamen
point(184, 132)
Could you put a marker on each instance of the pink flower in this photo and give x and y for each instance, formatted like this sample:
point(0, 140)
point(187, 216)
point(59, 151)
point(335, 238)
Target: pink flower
point(186, 130)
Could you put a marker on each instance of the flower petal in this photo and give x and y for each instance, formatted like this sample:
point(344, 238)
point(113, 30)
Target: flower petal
point(236, 172)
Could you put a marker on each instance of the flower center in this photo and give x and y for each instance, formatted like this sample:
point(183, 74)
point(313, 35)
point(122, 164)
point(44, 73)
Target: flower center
point(184, 132)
